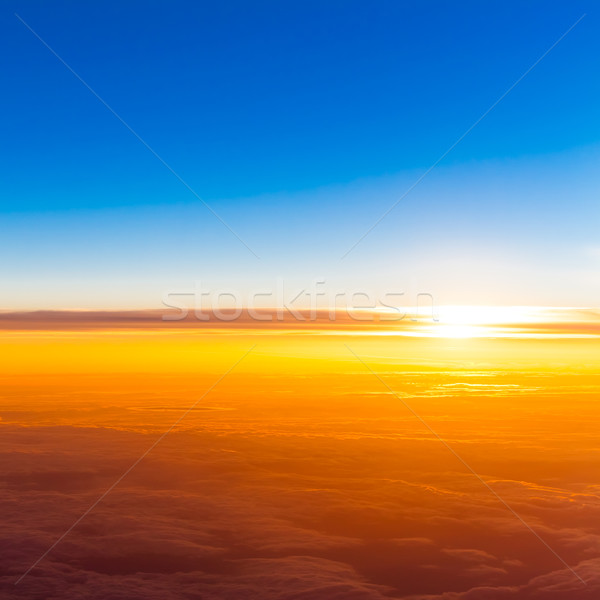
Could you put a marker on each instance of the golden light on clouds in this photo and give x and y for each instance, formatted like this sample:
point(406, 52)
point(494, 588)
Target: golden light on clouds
point(304, 460)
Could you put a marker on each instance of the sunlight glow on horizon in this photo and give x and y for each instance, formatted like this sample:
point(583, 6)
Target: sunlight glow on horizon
point(444, 322)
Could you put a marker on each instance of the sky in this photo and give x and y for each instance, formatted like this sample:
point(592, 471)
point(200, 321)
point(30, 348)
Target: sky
point(300, 125)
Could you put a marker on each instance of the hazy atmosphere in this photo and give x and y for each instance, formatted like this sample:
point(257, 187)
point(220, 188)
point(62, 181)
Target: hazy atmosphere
point(299, 300)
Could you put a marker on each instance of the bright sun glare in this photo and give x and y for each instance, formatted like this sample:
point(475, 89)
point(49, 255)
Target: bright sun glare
point(479, 321)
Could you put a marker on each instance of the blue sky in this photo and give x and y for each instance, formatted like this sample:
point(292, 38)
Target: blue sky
point(300, 124)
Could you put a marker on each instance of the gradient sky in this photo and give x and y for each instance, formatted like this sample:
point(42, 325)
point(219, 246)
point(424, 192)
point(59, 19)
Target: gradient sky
point(300, 125)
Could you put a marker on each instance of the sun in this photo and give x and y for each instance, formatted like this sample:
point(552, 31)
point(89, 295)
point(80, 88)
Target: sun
point(459, 331)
